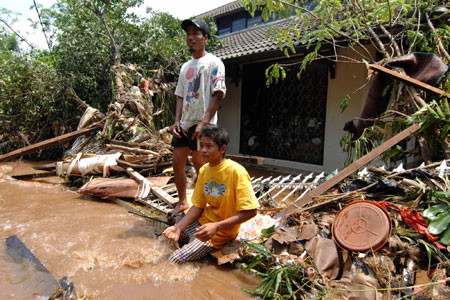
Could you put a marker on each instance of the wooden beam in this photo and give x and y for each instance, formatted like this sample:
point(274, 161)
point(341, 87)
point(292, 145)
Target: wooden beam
point(132, 150)
point(47, 143)
point(409, 80)
point(129, 144)
point(125, 164)
point(158, 192)
point(349, 170)
point(34, 175)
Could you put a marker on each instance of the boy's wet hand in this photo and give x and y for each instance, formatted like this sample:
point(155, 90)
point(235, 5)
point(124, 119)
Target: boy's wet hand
point(172, 233)
point(206, 231)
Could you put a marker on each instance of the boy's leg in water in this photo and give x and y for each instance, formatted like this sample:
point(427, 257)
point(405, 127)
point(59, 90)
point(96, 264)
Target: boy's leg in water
point(193, 250)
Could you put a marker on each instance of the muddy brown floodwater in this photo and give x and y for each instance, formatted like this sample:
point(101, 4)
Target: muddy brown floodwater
point(107, 252)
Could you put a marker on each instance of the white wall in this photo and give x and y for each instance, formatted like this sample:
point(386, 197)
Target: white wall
point(229, 115)
point(350, 77)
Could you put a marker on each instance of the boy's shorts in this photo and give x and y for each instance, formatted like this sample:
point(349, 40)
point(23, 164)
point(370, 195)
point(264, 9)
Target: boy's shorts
point(194, 249)
point(186, 139)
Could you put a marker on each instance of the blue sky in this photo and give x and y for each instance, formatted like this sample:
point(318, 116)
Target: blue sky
point(181, 9)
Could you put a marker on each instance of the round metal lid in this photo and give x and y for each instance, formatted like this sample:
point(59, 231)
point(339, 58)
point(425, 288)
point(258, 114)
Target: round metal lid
point(362, 225)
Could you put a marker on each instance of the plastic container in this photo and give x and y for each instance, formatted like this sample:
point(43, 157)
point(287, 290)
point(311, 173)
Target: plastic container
point(361, 226)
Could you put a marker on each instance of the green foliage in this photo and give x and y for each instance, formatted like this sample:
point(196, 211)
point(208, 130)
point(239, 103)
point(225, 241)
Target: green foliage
point(84, 35)
point(344, 103)
point(8, 42)
point(274, 73)
point(438, 216)
point(268, 231)
point(87, 38)
point(8, 39)
point(363, 145)
point(33, 102)
point(355, 24)
point(278, 282)
point(434, 120)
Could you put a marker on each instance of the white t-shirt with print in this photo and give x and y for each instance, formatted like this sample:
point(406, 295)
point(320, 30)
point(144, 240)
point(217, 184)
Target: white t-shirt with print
point(199, 79)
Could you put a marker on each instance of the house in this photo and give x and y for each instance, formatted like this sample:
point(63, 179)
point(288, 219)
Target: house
point(294, 124)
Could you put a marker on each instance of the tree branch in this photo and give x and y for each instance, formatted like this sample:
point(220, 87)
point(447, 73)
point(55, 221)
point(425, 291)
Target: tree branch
point(391, 38)
point(42, 26)
point(378, 42)
point(15, 32)
point(327, 25)
point(437, 38)
point(417, 31)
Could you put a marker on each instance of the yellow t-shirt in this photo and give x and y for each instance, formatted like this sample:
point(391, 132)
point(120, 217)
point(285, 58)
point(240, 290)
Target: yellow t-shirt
point(222, 191)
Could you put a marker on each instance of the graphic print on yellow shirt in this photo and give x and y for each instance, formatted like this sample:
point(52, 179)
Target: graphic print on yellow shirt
point(222, 191)
point(215, 189)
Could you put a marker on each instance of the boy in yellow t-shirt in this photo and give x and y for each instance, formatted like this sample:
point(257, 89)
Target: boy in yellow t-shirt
point(223, 199)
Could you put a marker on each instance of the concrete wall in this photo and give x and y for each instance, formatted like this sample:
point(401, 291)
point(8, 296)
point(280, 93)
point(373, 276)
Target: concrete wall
point(229, 115)
point(350, 77)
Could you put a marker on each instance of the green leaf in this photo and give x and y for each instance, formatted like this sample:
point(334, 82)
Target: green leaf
point(440, 223)
point(267, 232)
point(287, 280)
point(441, 196)
point(278, 281)
point(254, 263)
point(432, 212)
point(344, 103)
point(445, 237)
point(260, 249)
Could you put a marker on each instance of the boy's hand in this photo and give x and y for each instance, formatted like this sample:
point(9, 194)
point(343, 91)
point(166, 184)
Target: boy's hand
point(176, 129)
point(206, 231)
point(172, 233)
point(198, 130)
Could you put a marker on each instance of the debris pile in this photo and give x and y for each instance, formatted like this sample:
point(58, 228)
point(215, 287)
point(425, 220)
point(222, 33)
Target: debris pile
point(361, 233)
point(376, 235)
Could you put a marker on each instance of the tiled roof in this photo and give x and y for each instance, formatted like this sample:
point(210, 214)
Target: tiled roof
point(250, 41)
point(224, 9)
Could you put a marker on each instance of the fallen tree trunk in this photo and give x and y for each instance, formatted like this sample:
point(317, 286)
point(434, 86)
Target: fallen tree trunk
point(47, 143)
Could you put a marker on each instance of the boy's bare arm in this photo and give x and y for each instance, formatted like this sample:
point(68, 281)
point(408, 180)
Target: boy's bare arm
point(209, 113)
point(174, 232)
point(178, 110)
point(208, 230)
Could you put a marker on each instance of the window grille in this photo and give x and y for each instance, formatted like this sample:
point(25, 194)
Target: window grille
point(287, 120)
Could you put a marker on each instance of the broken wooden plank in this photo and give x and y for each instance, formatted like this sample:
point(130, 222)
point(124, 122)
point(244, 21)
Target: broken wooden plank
point(47, 143)
point(164, 196)
point(158, 192)
point(132, 150)
point(409, 80)
point(129, 144)
point(45, 167)
point(248, 159)
point(349, 170)
point(34, 175)
point(125, 164)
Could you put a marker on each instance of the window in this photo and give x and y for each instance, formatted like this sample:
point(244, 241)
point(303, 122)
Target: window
point(287, 120)
point(253, 21)
point(242, 20)
point(223, 26)
point(239, 24)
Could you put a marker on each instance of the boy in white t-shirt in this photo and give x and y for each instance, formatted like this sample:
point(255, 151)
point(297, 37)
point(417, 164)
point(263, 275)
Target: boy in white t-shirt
point(200, 88)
